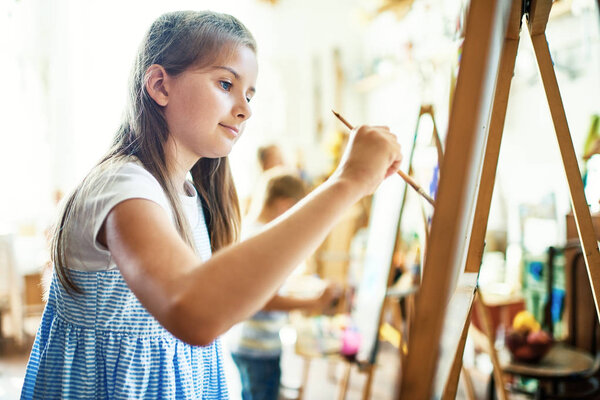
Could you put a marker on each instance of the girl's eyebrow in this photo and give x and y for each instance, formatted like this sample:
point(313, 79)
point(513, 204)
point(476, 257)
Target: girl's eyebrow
point(235, 74)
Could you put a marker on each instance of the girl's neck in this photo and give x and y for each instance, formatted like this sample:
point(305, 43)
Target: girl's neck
point(177, 176)
point(178, 165)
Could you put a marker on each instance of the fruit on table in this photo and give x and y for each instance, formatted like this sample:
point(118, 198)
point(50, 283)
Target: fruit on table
point(538, 338)
point(528, 346)
point(525, 339)
point(515, 339)
point(526, 353)
point(524, 321)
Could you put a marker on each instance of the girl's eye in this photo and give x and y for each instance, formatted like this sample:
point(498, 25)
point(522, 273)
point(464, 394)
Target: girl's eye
point(248, 99)
point(225, 85)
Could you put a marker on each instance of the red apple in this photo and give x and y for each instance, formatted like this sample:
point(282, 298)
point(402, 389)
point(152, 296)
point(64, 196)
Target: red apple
point(540, 343)
point(539, 338)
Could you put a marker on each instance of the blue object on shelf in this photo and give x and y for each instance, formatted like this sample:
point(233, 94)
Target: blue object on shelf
point(536, 269)
point(558, 298)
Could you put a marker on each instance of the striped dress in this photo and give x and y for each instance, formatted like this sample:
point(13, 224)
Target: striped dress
point(103, 344)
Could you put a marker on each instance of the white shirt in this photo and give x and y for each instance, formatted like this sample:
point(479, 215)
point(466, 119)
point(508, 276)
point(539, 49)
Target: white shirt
point(128, 181)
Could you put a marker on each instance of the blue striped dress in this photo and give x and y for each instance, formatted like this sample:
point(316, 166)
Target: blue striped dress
point(103, 344)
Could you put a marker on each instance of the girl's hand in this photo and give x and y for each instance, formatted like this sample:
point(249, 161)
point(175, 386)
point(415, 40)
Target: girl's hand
point(373, 153)
point(331, 292)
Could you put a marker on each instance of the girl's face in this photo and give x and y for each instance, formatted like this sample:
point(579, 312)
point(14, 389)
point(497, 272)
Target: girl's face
point(208, 108)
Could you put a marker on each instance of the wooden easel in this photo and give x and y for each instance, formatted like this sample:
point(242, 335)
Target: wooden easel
point(367, 367)
point(462, 205)
point(425, 109)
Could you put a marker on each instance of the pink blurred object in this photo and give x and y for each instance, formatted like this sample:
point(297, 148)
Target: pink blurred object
point(350, 342)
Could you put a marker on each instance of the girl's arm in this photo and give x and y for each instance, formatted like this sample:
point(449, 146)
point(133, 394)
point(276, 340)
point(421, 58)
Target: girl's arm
point(318, 303)
point(199, 301)
point(287, 303)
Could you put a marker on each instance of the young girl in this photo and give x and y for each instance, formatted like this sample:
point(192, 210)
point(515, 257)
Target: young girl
point(255, 345)
point(136, 302)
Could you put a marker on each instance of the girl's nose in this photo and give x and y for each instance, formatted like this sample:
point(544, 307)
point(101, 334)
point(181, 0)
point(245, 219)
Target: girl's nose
point(243, 109)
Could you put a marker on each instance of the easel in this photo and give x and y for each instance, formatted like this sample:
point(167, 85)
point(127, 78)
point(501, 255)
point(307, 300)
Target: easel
point(391, 333)
point(366, 360)
point(402, 339)
point(466, 184)
point(425, 109)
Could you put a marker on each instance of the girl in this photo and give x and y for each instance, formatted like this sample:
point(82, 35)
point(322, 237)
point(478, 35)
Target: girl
point(255, 345)
point(137, 303)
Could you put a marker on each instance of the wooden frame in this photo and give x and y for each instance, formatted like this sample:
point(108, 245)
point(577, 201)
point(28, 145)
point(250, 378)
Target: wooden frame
point(467, 180)
point(366, 358)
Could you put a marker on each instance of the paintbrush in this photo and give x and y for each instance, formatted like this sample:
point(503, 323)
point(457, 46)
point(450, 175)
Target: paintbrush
point(404, 176)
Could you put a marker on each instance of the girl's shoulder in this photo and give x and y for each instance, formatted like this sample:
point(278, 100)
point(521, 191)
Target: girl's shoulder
point(129, 166)
point(123, 175)
point(102, 190)
point(128, 178)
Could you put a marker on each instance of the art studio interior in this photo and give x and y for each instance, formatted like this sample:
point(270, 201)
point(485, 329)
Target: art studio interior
point(498, 190)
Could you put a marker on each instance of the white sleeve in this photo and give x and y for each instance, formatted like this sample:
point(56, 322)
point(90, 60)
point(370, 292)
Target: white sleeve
point(129, 181)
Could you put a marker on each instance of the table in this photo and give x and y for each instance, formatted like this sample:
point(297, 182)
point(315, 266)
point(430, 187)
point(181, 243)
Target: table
point(561, 364)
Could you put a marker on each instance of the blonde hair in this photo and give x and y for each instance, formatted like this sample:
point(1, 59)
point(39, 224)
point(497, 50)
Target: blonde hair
point(176, 41)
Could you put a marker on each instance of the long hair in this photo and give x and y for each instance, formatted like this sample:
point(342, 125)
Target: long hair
point(176, 41)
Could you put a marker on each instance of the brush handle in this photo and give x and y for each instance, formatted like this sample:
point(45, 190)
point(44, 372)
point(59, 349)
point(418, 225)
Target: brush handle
point(415, 186)
point(404, 176)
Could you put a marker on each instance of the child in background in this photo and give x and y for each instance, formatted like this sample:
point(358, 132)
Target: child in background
point(147, 272)
point(269, 156)
point(255, 344)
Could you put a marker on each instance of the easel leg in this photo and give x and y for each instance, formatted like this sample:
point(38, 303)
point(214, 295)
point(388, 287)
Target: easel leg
point(487, 328)
point(345, 381)
point(368, 383)
point(580, 208)
point(491, 155)
point(401, 324)
point(468, 383)
point(451, 386)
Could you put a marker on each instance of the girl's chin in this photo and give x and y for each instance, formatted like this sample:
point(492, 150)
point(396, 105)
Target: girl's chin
point(218, 153)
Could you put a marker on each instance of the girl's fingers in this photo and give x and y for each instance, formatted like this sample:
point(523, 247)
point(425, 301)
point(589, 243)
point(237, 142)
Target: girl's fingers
point(384, 127)
point(393, 168)
point(373, 154)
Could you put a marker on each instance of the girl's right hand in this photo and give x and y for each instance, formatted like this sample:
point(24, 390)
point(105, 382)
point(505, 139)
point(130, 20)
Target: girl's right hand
point(373, 153)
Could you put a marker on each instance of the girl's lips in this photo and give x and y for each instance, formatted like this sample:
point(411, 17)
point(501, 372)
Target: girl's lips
point(234, 131)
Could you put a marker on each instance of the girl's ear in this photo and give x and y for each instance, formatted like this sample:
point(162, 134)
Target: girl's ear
point(155, 80)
